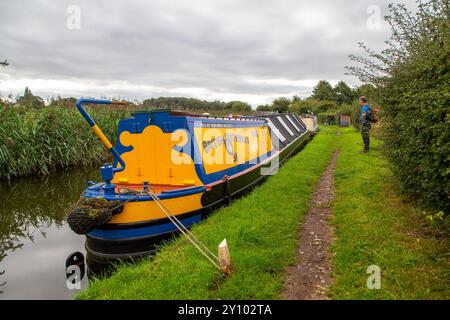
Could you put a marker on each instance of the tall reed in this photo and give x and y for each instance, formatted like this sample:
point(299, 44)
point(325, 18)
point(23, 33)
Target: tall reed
point(37, 141)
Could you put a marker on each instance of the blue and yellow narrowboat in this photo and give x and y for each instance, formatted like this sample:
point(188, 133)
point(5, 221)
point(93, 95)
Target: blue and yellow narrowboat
point(192, 163)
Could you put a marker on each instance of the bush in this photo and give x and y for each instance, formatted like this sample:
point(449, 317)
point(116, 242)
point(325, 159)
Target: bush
point(328, 118)
point(345, 109)
point(313, 105)
point(412, 78)
point(417, 136)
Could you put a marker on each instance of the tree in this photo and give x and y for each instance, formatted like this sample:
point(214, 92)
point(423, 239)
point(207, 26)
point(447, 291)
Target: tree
point(300, 107)
point(343, 93)
point(263, 107)
point(411, 78)
point(323, 91)
point(296, 99)
point(281, 104)
point(367, 90)
point(314, 105)
point(238, 106)
point(29, 99)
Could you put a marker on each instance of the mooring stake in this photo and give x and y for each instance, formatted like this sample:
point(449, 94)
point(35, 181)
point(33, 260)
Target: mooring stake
point(224, 257)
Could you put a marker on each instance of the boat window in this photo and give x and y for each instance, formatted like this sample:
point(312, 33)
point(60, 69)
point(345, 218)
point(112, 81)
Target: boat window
point(289, 117)
point(298, 121)
point(285, 125)
point(276, 131)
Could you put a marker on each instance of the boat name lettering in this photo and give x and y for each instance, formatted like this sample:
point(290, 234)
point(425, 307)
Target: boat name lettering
point(228, 140)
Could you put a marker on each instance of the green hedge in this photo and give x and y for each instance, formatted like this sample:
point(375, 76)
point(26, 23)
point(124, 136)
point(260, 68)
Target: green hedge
point(417, 134)
point(415, 103)
point(411, 78)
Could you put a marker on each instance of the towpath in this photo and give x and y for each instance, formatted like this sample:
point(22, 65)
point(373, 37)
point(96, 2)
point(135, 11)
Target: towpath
point(310, 277)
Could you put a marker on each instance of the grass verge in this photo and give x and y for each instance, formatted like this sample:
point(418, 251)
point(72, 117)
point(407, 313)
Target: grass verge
point(262, 231)
point(376, 227)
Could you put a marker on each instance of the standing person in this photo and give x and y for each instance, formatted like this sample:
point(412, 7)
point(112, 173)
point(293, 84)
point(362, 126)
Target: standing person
point(365, 123)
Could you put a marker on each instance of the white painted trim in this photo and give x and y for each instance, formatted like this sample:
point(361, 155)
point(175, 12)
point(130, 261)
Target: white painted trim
point(285, 125)
point(276, 131)
point(292, 121)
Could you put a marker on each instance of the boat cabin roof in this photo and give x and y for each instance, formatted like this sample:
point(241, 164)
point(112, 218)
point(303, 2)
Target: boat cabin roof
point(194, 115)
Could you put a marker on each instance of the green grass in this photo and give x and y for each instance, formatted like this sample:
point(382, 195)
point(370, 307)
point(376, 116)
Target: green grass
point(262, 232)
point(375, 226)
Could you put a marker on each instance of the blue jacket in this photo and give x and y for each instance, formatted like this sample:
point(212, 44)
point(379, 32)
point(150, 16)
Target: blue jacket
point(365, 108)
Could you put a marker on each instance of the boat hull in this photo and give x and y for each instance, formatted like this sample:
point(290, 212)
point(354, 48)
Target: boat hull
point(134, 240)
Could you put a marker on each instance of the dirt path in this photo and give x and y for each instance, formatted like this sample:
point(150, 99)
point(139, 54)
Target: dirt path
point(310, 278)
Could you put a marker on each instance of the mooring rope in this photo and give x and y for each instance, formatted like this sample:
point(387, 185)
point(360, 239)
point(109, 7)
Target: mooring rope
point(204, 250)
point(185, 231)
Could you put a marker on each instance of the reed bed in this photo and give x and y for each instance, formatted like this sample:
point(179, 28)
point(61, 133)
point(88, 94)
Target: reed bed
point(36, 141)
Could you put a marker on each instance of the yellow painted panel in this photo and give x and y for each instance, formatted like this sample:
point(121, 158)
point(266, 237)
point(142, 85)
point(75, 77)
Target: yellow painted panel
point(223, 148)
point(149, 210)
point(153, 158)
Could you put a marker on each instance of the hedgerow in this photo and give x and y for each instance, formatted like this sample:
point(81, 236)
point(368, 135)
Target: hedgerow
point(412, 79)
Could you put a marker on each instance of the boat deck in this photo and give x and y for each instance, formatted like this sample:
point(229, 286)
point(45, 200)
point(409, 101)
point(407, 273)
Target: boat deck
point(157, 189)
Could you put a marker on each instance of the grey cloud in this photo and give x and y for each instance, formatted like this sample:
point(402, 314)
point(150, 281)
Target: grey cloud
point(218, 46)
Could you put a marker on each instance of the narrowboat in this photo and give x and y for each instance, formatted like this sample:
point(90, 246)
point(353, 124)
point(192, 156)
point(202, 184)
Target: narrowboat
point(311, 123)
point(192, 163)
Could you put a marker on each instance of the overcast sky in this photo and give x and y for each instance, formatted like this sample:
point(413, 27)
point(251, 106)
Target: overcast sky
point(250, 50)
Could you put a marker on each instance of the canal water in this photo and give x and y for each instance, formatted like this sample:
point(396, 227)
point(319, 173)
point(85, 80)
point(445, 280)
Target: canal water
point(35, 240)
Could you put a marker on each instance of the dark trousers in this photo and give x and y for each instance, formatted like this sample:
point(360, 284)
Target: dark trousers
point(365, 133)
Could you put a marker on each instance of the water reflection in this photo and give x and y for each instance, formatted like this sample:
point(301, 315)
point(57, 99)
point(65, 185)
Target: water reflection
point(34, 239)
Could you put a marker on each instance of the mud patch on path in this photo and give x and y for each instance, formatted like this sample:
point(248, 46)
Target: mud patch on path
point(310, 278)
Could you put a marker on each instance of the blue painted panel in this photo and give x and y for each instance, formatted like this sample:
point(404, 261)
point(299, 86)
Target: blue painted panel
point(94, 192)
point(144, 231)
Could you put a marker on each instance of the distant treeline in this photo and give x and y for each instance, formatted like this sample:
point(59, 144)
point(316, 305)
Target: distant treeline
point(325, 101)
point(330, 97)
point(172, 103)
point(324, 98)
point(181, 103)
